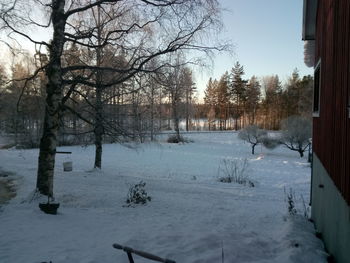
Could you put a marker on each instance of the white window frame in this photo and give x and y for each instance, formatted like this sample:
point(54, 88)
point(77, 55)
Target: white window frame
point(317, 113)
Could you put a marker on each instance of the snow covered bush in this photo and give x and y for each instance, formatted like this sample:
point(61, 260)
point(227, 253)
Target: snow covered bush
point(270, 142)
point(137, 194)
point(176, 139)
point(234, 171)
point(253, 135)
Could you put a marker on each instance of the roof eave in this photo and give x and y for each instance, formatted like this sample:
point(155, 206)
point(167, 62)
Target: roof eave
point(309, 19)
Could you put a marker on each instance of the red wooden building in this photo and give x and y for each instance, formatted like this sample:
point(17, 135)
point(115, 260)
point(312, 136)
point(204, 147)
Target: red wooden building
point(327, 24)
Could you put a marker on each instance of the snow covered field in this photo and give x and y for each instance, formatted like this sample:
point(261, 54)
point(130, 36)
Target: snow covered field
point(191, 217)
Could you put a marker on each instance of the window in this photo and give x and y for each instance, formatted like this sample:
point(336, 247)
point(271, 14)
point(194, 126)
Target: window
point(317, 89)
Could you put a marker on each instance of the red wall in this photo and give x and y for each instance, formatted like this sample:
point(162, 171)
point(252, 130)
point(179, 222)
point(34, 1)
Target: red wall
point(331, 136)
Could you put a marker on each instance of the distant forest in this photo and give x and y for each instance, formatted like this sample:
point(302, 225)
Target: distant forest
point(233, 102)
point(148, 103)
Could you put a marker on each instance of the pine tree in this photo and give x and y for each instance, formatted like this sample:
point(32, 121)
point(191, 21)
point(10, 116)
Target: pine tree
point(272, 103)
point(3, 78)
point(238, 93)
point(297, 96)
point(292, 95)
point(253, 98)
point(223, 99)
point(305, 103)
point(211, 101)
point(210, 94)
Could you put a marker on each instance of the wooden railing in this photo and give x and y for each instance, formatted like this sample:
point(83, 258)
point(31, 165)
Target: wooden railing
point(129, 251)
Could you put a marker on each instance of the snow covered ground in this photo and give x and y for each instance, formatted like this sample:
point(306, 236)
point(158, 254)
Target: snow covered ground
point(192, 217)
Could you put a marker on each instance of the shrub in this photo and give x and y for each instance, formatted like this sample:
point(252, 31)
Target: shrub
point(234, 171)
point(137, 194)
point(292, 204)
point(290, 199)
point(177, 139)
point(270, 143)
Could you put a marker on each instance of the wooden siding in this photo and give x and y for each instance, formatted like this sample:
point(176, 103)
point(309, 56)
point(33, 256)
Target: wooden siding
point(331, 136)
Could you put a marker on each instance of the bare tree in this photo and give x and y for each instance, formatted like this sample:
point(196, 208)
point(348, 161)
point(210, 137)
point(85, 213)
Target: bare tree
point(148, 94)
point(172, 85)
point(296, 134)
point(253, 135)
point(178, 25)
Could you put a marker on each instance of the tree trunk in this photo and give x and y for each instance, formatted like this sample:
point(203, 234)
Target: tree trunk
point(187, 110)
point(168, 112)
point(152, 111)
point(118, 112)
point(160, 110)
point(134, 116)
point(176, 119)
point(301, 153)
point(98, 129)
point(16, 129)
point(48, 140)
point(253, 149)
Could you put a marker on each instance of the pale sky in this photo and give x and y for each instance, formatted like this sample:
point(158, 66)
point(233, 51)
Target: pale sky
point(267, 39)
point(266, 35)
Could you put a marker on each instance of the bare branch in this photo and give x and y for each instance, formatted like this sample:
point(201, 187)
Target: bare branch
point(66, 107)
point(3, 18)
point(89, 6)
point(32, 77)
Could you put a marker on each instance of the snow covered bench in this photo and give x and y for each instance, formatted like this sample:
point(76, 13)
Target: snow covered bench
point(129, 251)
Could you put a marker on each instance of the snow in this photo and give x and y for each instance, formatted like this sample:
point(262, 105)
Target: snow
point(192, 217)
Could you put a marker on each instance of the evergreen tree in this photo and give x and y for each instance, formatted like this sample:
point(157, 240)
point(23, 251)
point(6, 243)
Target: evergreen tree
point(272, 103)
point(292, 95)
point(298, 95)
point(253, 94)
point(223, 100)
point(210, 93)
point(305, 103)
point(3, 78)
point(238, 93)
point(211, 101)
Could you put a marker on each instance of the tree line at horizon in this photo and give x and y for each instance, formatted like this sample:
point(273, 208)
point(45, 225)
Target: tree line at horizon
point(136, 109)
point(146, 105)
point(232, 102)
